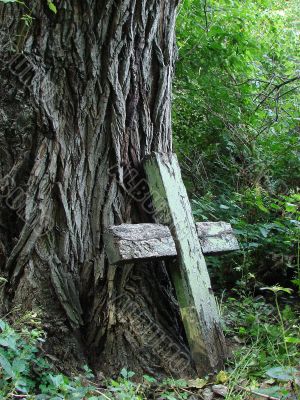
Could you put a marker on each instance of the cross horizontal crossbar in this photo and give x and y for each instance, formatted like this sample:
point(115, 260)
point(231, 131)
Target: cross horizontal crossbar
point(133, 242)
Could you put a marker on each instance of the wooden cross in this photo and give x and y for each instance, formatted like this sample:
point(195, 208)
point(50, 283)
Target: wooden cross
point(176, 234)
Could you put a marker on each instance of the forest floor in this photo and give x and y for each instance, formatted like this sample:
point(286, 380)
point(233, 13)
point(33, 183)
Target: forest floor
point(263, 337)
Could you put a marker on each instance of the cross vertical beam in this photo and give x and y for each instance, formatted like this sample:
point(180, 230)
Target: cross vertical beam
point(190, 276)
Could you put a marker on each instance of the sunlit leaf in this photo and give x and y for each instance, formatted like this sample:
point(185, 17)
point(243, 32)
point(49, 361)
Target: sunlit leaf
point(276, 289)
point(293, 340)
point(52, 6)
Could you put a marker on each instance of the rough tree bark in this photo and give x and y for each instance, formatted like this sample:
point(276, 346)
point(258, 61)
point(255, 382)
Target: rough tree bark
point(86, 98)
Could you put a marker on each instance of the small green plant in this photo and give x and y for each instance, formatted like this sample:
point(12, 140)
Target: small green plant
point(123, 388)
point(174, 389)
point(276, 290)
point(286, 372)
point(27, 17)
point(260, 332)
point(25, 373)
point(50, 3)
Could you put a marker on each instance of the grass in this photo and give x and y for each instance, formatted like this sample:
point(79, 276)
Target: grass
point(264, 336)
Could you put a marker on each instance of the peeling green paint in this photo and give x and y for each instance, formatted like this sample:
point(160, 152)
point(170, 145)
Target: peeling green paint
point(191, 280)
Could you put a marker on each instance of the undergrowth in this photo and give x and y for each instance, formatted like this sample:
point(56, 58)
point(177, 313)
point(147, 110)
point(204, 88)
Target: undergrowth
point(264, 342)
point(265, 339)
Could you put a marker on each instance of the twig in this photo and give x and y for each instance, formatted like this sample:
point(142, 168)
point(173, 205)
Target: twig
point(102, 394)
point(251, 80)
point(288, 91)
point(286, 82)
point(276, 87)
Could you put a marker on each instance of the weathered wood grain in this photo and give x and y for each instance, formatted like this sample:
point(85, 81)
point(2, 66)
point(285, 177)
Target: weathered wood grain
point(134, 242)
point(191, 280)
point(216, 237)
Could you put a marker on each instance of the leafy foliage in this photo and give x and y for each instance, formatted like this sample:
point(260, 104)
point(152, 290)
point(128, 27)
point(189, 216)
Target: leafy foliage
point(233, 57)
point(268, 229)
point(236, 128)
point(251, 323)
point(25, 372)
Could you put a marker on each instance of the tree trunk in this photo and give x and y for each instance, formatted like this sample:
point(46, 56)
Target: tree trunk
point(85, 96)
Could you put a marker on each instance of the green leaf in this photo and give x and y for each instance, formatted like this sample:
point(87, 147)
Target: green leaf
point(223, 207)
point(282, 373)
point(9, 342)
point(57, 380)
point(6, 366)
point(262, 207)
point(21, 385)
point(126, 374)
point(263, 231)
point(289, 207)
point(52, 6)
point(276, 289)
point(296, 282)
point(274, 391)
point(296, 196)
point(2, 324)
point(18, 365)
point(123, 373)
point(292, 340)
point(27, 19)
point(149, 379)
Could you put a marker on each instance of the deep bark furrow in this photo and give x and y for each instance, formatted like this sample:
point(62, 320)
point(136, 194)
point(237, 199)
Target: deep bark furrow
point(98, 102)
